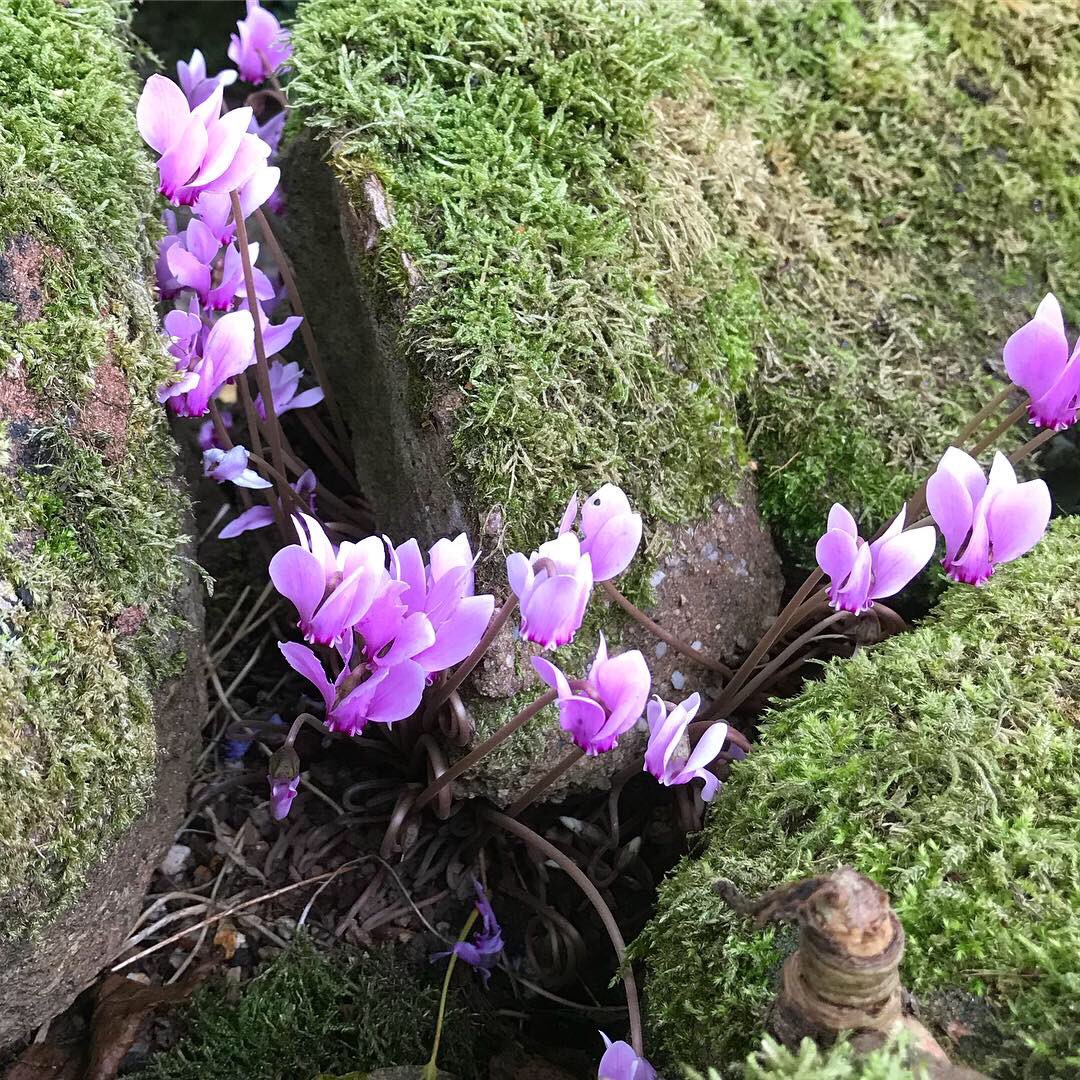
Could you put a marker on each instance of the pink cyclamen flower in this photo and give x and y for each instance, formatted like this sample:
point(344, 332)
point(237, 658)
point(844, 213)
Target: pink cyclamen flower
point(285, 385)
point(553, 587)
point(195, 265)
point(611, 531)
point(200, 149)
point(984, 522)
point(232, 465)
point(260, 45)
point(595, 711)
point(215, 209)
point(444, 591)
point(621, 1063)
point(861, 573)
point(1037, 359)
point(331, 588)
point(360, 693)
point(668, 756)
point(210, 360)
point(194, 81)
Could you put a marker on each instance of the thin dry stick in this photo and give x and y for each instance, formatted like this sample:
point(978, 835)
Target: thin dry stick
point(238, 907)
point(441, 693)
point(568, 865)
point(545, 782)
point(1032, 445)
point(283, 264)
point(677, 643)
point(463, 764)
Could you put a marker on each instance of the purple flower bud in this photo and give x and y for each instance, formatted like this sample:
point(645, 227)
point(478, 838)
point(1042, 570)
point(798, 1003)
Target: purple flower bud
point(194, 81)
point(208, 433)
point(597, 710)
point(669, 758)
point(284, 777)
point(984, 523)
point(861, 573)
point(1037, 359)
point(260, 45)
point(553, 587)
point(621, 1063)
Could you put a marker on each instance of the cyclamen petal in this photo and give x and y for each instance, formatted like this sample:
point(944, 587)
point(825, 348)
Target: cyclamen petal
point(299, 577)
point(899, 559)
point(620, 1062)
point(1035, 355)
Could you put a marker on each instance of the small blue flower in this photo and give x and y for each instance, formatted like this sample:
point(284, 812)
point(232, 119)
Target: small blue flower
point(482, 952)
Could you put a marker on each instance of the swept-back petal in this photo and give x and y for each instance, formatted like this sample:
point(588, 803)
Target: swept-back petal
point(458, 635)
point(162, 113)
point(835, 553)
point(899, 559)
point(1017, 519)
point(614, 545)
point(554, 678)
point(950, 505)
point(1036, 353)
point(840, 518)
point(297, 575)
point(303, 661)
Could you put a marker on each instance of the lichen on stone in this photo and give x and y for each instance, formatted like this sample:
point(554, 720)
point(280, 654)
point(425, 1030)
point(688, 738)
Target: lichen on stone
point(945, 764)
point(89, 515)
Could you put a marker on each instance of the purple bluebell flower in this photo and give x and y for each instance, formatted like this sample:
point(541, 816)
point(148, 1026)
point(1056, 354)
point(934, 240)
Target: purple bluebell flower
point(285, 383)
point(611, 531)
point(1037, 359)
point(200, 149)
point(260, 46)
point(360, 693)
point(984, 523)
point(669, 757)
point(331, 588)
point(258, 517)
point(211, 358)
point(444, 592)
point(284, 776)
point(621, 1063)
point(232, 465)
point(595, 711)
point(194, 81)
point(483, 951)
point(861, 573)
point(553, 586)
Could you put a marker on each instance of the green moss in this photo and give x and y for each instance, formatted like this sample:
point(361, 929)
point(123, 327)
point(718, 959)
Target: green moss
point(946, 765)
point(308, 1012)
point(839, 1062)
point(89, 518)
point(899, 174)
point(596, 329)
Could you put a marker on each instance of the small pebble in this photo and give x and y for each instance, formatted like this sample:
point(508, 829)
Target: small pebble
point(696, 646)
point(678, 680)
point(176, 860)
point(656, 577)
point(661, 650)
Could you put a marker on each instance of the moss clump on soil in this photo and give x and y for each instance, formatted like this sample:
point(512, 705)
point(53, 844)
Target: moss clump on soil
point(591, 317)
point(89, 516)
point(839, 1062)
point(309, 1012)
point(901, 176)
point(945, 764)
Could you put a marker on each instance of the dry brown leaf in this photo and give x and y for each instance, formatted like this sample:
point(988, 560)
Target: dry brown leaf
point(226, 938)
point(45, 1061)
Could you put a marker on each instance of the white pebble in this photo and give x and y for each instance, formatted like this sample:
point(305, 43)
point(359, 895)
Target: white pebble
point(178, 857)
point(678, 680)
point(661, 650)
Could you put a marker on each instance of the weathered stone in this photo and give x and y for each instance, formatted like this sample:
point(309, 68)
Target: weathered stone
point(944, 765)
point(101, 682)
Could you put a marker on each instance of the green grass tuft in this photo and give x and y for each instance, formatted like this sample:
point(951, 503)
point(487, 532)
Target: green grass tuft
point(84, 534)
point(945, 764)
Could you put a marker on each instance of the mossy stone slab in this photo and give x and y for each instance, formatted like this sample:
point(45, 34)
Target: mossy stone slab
point(945, 764)
point(101, 684)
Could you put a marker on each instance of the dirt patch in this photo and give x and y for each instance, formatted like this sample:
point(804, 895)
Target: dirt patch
point(21, 264)
point(105, 414)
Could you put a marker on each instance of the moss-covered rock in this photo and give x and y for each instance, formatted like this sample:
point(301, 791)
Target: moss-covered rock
point(95, 598)
point(945, 764)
